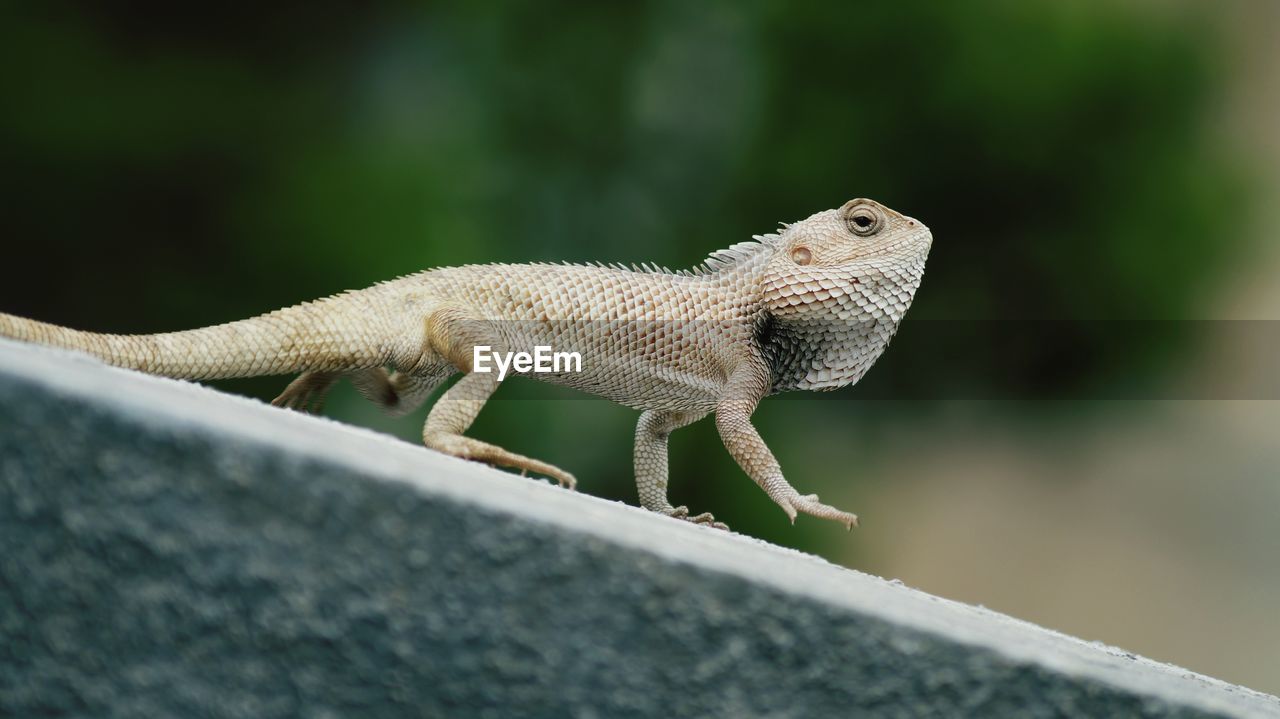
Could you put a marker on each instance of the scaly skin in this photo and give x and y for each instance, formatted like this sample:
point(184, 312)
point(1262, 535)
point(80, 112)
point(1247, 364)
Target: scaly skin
point(811, 307)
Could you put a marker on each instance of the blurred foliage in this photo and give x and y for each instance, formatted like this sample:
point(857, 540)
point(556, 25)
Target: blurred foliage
point(169, 166)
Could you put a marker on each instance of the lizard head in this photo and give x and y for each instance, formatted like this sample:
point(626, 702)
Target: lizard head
point(836, 288)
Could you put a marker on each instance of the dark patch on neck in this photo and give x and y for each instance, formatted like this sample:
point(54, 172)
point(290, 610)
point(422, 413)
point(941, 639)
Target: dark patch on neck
point(781, 350)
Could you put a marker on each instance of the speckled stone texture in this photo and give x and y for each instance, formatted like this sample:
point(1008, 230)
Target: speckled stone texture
point(166, 550)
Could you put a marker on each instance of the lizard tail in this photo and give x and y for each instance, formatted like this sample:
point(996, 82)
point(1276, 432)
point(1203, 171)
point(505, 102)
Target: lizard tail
point(339, 333)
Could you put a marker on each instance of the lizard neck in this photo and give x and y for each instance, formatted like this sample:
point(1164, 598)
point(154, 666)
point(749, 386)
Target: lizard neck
point(823, 328)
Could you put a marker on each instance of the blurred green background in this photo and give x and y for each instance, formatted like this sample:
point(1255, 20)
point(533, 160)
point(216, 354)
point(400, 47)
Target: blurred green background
point(1071, 428)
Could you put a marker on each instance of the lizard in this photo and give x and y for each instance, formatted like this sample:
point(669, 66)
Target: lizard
point(808, 307)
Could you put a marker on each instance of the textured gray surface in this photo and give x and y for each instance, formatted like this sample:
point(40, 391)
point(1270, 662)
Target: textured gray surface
point(166, 550)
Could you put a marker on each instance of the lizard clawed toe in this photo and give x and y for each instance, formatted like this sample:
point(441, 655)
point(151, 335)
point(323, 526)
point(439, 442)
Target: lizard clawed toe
point(809, 504)
point(306, 393)
point(682, 512)
point(299, 402)
point(566, 480)
point(562, 478)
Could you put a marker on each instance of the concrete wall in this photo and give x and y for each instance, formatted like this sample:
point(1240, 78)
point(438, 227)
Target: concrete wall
point(166, 550)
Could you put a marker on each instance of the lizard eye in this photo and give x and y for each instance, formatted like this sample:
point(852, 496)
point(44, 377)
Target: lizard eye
point(801, 256)
point(864, 220)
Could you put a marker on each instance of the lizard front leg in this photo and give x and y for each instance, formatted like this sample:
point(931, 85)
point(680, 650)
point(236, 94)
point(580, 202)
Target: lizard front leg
point(746, 386)
point(651, 463)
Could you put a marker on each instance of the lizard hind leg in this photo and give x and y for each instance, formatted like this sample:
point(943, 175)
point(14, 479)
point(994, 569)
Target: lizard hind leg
point(396, 393)
point(308, 392)
point(454, 412)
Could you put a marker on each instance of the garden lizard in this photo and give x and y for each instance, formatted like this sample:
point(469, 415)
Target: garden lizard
point(809, 307)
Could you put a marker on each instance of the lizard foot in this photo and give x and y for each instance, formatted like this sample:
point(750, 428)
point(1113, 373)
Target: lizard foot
point(474, 449)
point(307, 392)
point(526, 465)
point(682, 512)
point(563, 478)
point(809, 504)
